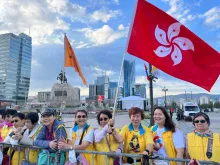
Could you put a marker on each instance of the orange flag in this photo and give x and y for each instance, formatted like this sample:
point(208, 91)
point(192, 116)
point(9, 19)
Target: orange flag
point(70, 59)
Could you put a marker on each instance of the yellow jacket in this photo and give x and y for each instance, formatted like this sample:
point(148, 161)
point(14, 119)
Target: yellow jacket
point(5, 130)
point(197, 147)
point(90, 148)
point(102, 146)
point(168, 143)
point(28, 140)
point(144, 138)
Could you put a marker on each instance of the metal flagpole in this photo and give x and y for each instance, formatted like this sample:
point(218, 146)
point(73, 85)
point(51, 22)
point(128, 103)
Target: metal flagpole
point(151, 95)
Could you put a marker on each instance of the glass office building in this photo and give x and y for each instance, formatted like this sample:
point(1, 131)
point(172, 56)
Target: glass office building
point(15, 67)
point(129, 78)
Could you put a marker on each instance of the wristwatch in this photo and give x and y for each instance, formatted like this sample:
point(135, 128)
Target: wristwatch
point(71, 147)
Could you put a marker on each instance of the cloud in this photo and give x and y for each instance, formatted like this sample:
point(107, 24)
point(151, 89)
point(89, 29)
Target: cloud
point(121, 27)
point(35, 63)
point(104, 35)
point(104, 15)
point(212, 17)
point(179, 11)
point(47, 19)
point(17, 16)
point(98, 71)
point(116, 2)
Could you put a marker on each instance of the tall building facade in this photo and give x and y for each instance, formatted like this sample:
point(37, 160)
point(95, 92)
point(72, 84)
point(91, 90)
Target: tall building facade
point(92, 90)
point(15, 67)
point(129, 78)
point(140, 90)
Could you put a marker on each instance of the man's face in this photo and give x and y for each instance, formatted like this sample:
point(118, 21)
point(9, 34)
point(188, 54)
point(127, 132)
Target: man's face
point(17, 122)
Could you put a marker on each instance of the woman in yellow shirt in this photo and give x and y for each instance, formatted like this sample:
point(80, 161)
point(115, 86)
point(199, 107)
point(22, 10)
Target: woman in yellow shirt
point(202, 143)
point(104, 138)
point(137, 138)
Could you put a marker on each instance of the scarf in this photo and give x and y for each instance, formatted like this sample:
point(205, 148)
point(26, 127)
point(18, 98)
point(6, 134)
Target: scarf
point(207, 133)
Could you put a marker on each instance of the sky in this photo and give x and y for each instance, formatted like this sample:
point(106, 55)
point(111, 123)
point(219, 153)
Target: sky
point(97, 31)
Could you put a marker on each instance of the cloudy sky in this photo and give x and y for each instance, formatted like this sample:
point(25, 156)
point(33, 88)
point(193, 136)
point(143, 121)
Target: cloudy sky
point(97, 30)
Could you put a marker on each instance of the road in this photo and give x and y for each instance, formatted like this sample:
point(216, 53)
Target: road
point(123, 119)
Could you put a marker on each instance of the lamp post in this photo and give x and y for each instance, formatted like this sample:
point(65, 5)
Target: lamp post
point(165, 90)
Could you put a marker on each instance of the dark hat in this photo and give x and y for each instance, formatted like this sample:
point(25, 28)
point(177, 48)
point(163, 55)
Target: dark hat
point(48, 111)
point(206, 117)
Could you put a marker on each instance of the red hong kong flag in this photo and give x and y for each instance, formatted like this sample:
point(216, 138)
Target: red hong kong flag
point(161, 40)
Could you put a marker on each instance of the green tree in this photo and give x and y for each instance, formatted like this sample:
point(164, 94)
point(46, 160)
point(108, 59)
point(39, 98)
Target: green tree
point(217, 104)
point(204, 106)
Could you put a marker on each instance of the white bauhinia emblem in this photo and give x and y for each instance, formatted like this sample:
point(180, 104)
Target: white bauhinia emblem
point(174, 45)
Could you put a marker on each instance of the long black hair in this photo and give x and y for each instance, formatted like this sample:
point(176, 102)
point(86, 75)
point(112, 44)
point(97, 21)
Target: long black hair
point(169, 124)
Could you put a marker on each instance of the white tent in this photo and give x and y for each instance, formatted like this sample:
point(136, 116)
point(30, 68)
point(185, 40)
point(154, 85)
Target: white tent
point(132, 101)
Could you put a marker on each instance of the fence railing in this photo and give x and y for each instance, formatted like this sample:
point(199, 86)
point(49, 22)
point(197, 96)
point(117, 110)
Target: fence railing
point(135, 157)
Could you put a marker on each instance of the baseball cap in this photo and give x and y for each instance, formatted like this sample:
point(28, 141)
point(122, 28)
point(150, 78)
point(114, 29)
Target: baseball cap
point(48, 111)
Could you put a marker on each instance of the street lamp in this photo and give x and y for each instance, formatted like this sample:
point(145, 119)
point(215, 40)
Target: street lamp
point(165, 90)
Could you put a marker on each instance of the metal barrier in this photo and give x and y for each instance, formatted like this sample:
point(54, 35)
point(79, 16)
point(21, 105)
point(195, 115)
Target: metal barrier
point(135, 157)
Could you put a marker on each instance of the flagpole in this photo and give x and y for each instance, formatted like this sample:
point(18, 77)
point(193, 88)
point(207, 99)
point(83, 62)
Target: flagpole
point(119, 80)
point(151, 95)
point(122, 64)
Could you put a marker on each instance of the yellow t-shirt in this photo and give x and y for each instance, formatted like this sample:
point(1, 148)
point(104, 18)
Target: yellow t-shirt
point(134, 146)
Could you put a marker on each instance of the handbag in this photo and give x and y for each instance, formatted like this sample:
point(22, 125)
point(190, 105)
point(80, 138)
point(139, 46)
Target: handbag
point(209, 148)
point(24, 162)
point(80, 157)
point(116, 161)
point(43, 158)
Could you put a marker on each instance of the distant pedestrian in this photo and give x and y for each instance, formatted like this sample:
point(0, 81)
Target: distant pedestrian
point(171, 113)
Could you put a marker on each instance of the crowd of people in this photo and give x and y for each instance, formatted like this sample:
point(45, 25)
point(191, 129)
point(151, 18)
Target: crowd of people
point(163, 139)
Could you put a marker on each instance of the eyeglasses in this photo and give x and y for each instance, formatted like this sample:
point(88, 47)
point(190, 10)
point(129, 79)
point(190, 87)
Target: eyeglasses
point(79, 116)
point(105, 119)
point(201, 121)
point(15, 121)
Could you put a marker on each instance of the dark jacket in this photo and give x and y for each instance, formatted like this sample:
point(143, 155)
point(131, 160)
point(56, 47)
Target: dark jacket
point(58, 130)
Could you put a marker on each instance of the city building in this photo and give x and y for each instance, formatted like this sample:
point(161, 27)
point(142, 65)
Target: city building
point(92, 90)
point(203, 100)
point(44, 96)
point(15, 67)
point(129, 78)
point(140, 90)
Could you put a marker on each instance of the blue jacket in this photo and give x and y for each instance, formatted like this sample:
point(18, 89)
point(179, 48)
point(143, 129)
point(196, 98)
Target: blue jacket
point(41, 141)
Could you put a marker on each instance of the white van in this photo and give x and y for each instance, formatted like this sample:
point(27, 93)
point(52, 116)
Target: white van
point(190, 109)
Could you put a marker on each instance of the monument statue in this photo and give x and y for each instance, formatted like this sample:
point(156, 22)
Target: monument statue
point(62, 77)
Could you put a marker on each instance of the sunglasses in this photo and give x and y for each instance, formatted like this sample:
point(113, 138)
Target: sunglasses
point(79, 116)
point(8, 116)
point(105, 119)
point(15, 121)
point(201, 121)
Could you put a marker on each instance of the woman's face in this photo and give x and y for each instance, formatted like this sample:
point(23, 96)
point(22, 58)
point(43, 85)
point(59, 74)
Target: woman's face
point(103, 120)
point(136, 119)
point(28, 124)
point(8, 118)
point(17, 122)
point(201, 124)
point(1, 119)
point(81, 119)
point(159, 117)
point(48, 120)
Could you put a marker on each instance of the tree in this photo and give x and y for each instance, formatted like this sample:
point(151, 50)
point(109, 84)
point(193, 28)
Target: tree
point(217, 104)
point(204, 106)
